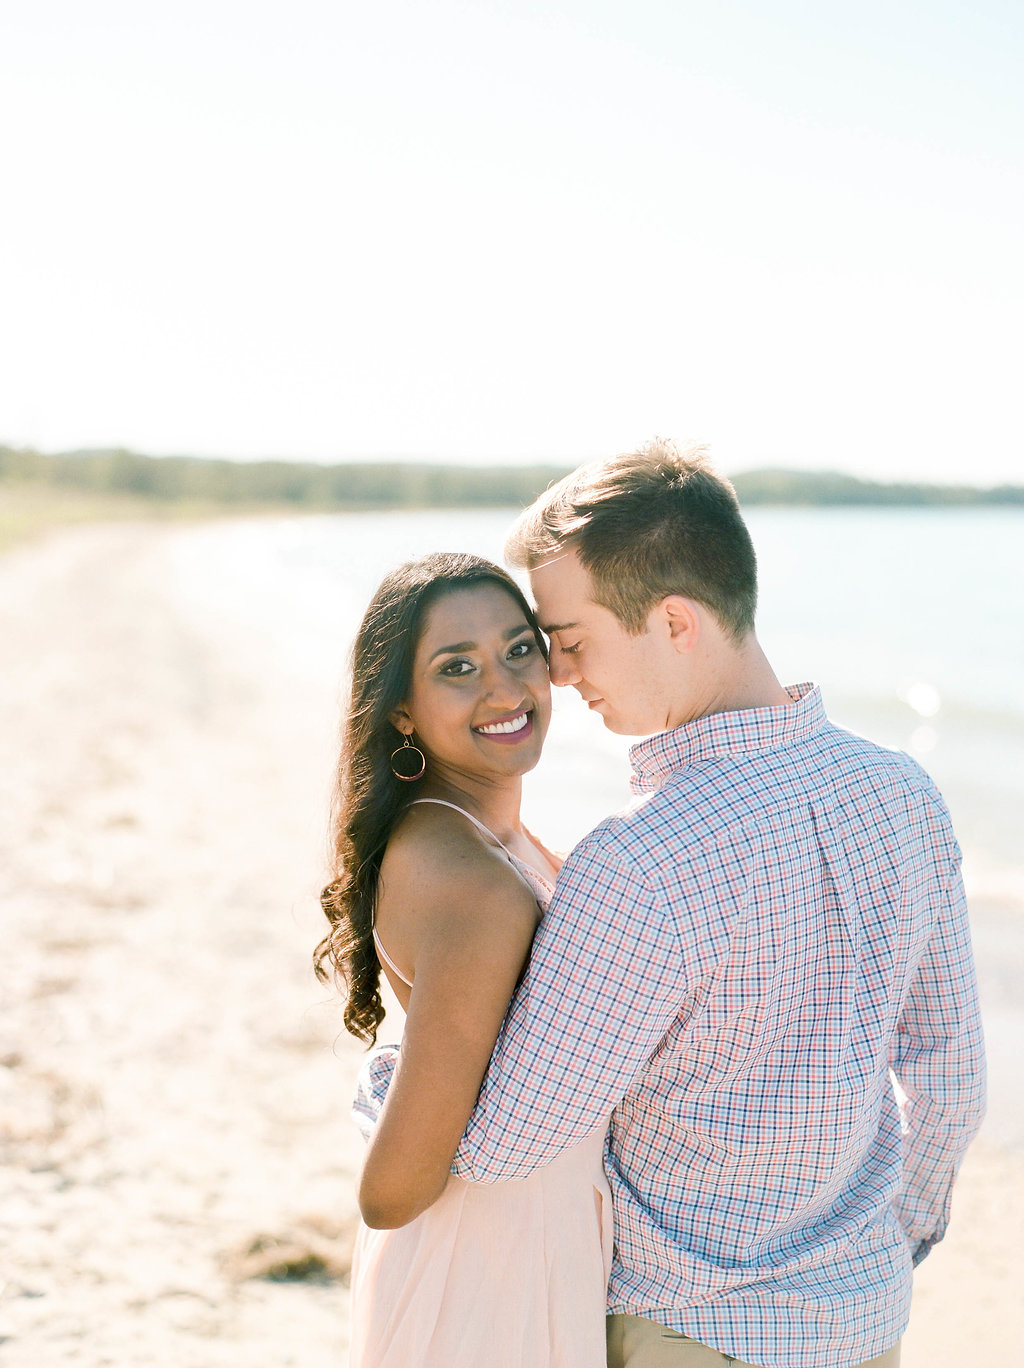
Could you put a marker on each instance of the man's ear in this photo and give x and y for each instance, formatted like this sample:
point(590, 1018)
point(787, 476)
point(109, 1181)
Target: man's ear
point(401, 720)
point(682, 617)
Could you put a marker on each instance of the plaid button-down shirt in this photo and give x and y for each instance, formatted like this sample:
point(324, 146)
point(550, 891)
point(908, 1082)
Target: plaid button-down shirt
point(731, 969)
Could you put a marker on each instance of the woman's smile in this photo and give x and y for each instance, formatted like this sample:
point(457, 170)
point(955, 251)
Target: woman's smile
point(511, 729)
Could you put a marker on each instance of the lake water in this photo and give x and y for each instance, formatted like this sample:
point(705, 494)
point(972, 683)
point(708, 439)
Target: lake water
point(911, 620)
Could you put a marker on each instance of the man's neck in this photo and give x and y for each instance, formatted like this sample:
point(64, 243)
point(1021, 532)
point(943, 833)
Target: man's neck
point(734, 677)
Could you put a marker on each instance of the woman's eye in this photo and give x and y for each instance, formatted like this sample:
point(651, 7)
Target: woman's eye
point(455, 668)
point(521, 649)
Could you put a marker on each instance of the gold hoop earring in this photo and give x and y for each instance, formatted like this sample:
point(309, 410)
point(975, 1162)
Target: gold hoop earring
point(409, 754)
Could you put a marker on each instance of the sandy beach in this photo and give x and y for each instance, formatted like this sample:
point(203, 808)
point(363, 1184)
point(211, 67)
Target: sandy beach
point(174, 1083)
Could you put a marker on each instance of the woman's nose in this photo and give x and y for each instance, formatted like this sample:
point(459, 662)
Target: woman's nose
point(505, 686)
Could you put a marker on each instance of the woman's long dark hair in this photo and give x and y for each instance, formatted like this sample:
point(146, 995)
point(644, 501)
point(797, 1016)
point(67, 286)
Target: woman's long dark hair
point(368, 798)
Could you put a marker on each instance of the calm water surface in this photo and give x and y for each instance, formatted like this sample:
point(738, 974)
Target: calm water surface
point(911, 620)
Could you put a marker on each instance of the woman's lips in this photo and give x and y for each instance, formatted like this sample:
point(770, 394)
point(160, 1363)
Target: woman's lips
point(513, 729)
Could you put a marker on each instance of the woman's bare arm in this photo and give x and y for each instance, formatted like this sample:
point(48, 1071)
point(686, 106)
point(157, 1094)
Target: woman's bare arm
point(463, 920)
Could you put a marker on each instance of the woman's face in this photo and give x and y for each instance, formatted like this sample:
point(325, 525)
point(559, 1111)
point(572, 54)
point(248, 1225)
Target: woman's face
point(479, 700)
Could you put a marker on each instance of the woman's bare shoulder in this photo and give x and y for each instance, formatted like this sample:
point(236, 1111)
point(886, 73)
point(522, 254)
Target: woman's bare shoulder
point(449, 902)
point(437, 854)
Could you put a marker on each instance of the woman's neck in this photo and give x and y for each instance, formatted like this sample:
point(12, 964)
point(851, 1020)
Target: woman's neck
point(495, 804)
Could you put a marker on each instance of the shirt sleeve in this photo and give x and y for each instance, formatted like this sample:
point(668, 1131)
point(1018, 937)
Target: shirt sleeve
point(604, 984)
point(939, 1063)
point(372, 1088)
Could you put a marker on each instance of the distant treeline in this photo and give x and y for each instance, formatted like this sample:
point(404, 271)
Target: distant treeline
point(381, 484)
point(831, 487)
point(396, 484)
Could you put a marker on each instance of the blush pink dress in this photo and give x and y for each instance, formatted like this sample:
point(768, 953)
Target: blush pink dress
point(496, 1275)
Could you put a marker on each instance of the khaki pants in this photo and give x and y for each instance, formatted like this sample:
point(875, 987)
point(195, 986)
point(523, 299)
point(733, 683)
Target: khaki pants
point(634, 1342)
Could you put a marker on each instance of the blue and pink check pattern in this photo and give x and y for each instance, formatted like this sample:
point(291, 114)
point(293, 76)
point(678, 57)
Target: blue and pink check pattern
point(730, 970)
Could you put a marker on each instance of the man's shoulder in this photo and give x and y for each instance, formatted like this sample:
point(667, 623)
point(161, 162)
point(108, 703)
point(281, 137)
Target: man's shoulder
point(653, 829)
point(857, 762)
point(706, 803)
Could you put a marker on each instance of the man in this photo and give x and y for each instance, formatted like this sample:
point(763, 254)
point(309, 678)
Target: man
point(732, 967)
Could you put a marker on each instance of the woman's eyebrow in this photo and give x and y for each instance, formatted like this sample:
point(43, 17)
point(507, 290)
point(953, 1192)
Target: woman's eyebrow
point(472, 645)
point(453, 649)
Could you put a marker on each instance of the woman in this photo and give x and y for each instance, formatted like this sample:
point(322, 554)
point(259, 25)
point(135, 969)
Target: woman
point(438, 881)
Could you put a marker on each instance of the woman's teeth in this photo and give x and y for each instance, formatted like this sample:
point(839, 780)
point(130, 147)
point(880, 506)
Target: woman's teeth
point(513, 725)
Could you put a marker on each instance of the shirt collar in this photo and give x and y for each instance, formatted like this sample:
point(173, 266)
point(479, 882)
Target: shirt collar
point(727, 733)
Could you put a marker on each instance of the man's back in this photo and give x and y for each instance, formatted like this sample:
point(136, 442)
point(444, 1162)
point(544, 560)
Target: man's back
point(806, 888)
point(740, 958)
point(734, 966)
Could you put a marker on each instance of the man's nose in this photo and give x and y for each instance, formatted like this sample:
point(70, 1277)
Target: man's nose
point(563, 668)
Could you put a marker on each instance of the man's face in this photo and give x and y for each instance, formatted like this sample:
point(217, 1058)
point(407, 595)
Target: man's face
point(625, 678)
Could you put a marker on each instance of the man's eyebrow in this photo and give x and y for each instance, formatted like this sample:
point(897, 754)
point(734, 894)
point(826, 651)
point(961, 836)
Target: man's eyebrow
point(549, 629)
point(458, 646)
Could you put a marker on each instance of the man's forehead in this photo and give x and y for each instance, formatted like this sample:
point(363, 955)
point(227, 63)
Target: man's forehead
point(560, 569)
point(561, 587)
point(556, 556)
point(553, 628)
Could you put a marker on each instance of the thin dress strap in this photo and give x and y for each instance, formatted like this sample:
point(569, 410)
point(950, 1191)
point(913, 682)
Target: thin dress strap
point(388, 960)
point(441, 802)
point(542, 889)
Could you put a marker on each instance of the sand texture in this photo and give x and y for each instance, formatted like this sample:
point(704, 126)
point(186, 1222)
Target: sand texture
point(171, 1113)
point(177, 1180)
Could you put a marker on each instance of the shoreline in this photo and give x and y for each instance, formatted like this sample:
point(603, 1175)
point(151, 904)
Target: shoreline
point(174, 1083)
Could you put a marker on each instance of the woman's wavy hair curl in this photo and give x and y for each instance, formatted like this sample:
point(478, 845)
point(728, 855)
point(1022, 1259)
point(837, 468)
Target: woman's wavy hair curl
point(369, 798)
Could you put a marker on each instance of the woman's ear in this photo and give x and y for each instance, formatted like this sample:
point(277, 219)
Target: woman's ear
point(401, 721)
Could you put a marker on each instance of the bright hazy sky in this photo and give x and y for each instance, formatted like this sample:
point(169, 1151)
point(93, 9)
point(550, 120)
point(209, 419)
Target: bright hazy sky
point(544, 229)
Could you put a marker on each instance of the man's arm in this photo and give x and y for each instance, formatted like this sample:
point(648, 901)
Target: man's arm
point(604, 984)
point(372, 1087)
point(938, 1059)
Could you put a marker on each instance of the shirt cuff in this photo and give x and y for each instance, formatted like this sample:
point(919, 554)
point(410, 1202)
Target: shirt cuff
point(922, 1249)
point(372, 1088)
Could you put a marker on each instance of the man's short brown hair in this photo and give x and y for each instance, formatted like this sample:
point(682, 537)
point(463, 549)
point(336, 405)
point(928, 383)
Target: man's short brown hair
point(647, 524)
